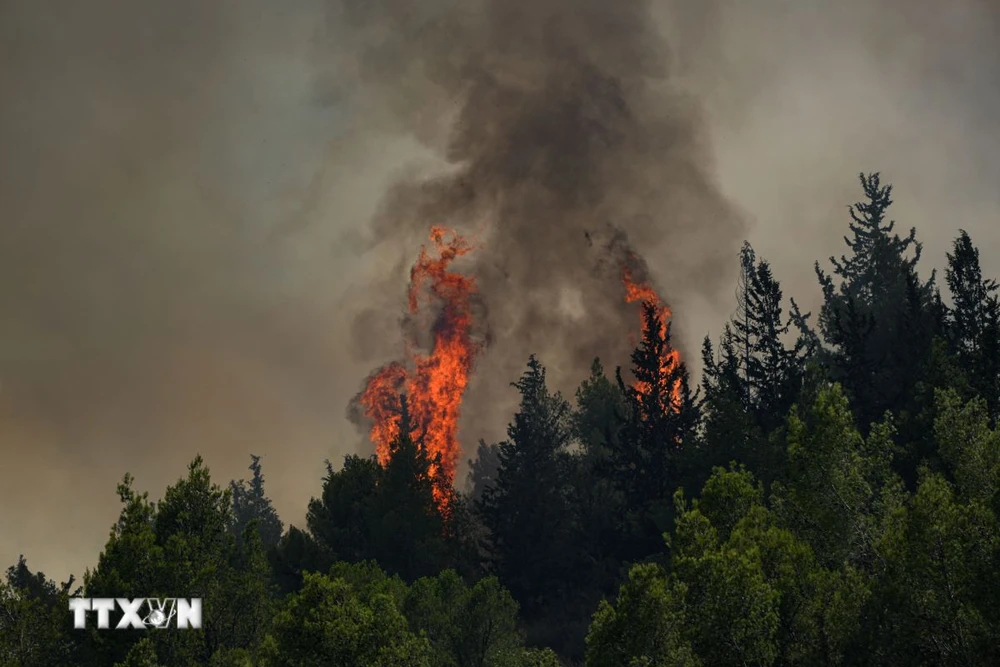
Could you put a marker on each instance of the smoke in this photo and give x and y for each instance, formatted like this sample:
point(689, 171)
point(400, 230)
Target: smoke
point(801, 96)
point(564, 136)
point(208, 209)
point(150, 154)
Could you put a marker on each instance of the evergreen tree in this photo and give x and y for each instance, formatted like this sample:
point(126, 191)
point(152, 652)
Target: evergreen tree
point(878, 321)
point(866, 300)
point(756, 378)
point(974, 321)
point(729, 431)
point(35, 630)
point(662, 414)
point(526, 509)
point(406, 523)
point(181, 547)
point(483, 468)
point(386, 514)
point(250, 503)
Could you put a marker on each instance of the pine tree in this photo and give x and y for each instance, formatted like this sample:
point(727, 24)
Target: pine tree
point(662, 414)
point(729, 432)
point(877, 315)
point(973, 322)
point(525, 508)
point(250, 503)
point(406, 524)
point(755, 380)
point(387, 514)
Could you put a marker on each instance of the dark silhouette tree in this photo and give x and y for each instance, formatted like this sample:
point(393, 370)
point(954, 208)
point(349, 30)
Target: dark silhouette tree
point(877, 315)
point(526, 509)
point(974, 321)
point(250, 503)
point(756, 377)
point(646, 462)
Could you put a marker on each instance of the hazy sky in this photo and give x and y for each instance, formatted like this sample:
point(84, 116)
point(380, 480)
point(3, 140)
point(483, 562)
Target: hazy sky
point(188, 261)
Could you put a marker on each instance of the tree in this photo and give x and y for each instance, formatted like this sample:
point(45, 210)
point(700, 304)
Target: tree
point(467, 626)
point(327, 625)
point(338, 519)
point(877, 318)
point(935, 605)
point(644, 627)
point(974, 321)
point(839, 487)
point(182, 547)
point(599, 415)
point(406, 523)
point(142, 654)
point(526, 509)
point(483, 468)
point(387, 514)
point(34, 627)
point(741, 589)
point(756, 378)
point(250, 503)
point(661, 417)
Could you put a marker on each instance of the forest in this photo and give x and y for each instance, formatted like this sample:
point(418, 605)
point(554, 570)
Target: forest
point(827, 493)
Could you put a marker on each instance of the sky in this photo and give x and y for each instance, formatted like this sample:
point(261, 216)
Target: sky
point(207, 208)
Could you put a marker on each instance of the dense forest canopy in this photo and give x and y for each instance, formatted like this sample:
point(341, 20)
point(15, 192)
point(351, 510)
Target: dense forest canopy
point(828, 495)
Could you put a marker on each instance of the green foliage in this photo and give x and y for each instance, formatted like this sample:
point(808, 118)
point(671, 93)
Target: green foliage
point(369, 512)
point(34, 627)
point(643, 627)
point(467, 626)
point(182, 547)
point(142, 654)
point(937, 607)
point(326, 624)
point(837, 481)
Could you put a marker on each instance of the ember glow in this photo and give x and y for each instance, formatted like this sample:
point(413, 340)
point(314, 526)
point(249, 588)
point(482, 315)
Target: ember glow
point(640, 291)
point(433, 382)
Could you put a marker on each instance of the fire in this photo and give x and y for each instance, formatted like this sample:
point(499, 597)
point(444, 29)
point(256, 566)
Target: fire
point(643, 292)
point(435, 382)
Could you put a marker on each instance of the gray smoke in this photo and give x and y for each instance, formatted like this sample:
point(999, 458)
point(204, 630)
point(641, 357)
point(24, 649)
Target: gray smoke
point(564, 135)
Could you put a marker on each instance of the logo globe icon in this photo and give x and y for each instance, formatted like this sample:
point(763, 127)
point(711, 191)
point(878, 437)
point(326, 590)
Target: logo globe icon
point(157, 618)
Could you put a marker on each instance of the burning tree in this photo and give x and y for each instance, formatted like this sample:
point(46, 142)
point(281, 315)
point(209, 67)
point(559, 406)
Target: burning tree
point(434, 382)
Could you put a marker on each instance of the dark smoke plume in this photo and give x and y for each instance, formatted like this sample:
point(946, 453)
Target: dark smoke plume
point(565, 136)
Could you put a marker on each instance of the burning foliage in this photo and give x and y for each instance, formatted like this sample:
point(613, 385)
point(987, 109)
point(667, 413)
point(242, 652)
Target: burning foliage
point(640, 290)
point(559, 121)
point(434, 382)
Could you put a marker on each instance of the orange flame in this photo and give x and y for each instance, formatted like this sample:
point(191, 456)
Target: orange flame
point(437, 382)
point(643, 292)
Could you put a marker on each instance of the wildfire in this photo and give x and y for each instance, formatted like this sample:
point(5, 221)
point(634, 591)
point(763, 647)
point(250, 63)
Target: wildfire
point(435, 382)
point(643, 292)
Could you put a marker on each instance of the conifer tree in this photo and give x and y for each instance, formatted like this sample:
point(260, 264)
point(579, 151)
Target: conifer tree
point(755, 380)
point(974, 321)
point(525, 508)
point(387, 514)
point(877, 314)
point(250, 503)
point(662, 414)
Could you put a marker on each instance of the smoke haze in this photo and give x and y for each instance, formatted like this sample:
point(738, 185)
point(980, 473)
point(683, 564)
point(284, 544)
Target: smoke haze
point(208, 209)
